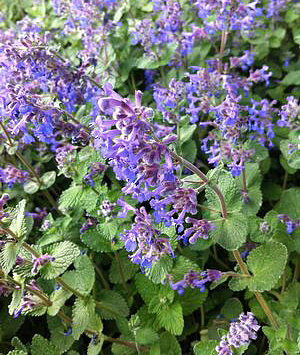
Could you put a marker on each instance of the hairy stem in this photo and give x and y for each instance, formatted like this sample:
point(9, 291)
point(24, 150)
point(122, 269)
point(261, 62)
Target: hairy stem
point(257, 294)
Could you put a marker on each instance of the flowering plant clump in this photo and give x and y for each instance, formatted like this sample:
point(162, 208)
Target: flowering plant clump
point(150, 157)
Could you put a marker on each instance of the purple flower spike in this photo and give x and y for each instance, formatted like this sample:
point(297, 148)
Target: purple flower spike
point(195, 279)
point(199, 229)
point(240, 333)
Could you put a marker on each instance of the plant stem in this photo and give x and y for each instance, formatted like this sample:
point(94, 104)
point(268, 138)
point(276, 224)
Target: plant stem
point(204, 178)
point(100, 274)
point(30, 168)
point(121, 271)
point(285, 179)
point(296, 270)
point(257, 294)
point(68, 320)
point(202, 317)
point(214, 254)
point(244, 180)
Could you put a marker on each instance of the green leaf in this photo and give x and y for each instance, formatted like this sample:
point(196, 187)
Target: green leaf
point(146, 336)
point(191, 300)
point(169, 345)
point(227, 184)
point(70, 197)
point(65, 253)
point(18, 345)
point(267, 263)
point(18, 224)
point(253, 182)
point(164, 297)
point(186, 132)
point(31, 187)
point(292, 157)
point(16, 300)
point(95, 241)
point(48, 179)
point(58, 299)
point(157, 273)
point(292, 78)
point(189, 150)
point(83, 310)
point(8, 256)
point(111, 305)
point(82, 279)
point(17, 352)
point(285, 165)
point(57, 337)
point(232, 308)
point(148, 63)
point(231, 232)
point(129, 269)
point(41, 345)
point(119, 349)
point(171, 318)
point(289, 203)
point(146, 288)
point(296, 33)
point(95, 347)
point(108, 230)
point(206, 347)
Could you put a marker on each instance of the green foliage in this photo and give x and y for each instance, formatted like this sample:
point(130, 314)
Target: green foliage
point(111, 305)
point(146, 336)
point(205, 347)
point(48, 179)
point(65, 253)
point(160, 269)
point(229, 189)
point(82, 278)
point(267, 264)
point(40, 345)
point(231, 232)
point(70, 197)
point(289, 203)
point(171, 318)
point(147, 62)
point(128, 269)
point(232, 308)
point(140, 307)
point(292, 156)
point(99, 241)
point(253, 182)
point(57, 337)
point(82, 312)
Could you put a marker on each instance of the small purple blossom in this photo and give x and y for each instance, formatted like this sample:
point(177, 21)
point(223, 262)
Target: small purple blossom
point(106, 208)
point(195, 279)
point(145, 241)
point(95, 169)
point(199, 229)
point(37, 263)
point(289, 223)
point(29, 300)
point(90, 222)
point(12, 175)
point(4, 198)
